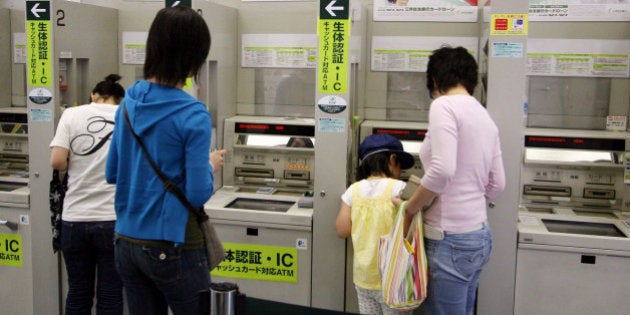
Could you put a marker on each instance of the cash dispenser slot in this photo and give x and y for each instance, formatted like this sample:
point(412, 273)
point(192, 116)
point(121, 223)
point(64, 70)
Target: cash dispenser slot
point(552, 191)
point(253, 172)
point(297, 175)
point(594, 193)
point(261, 204)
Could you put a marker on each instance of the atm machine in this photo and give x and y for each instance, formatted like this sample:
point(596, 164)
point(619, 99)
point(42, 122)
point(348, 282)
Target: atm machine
point(263, 213)
point(574, 224)
point(574, 209)
point(15, 231)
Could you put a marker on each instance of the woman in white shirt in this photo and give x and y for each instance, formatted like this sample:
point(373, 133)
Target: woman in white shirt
point(80, 147)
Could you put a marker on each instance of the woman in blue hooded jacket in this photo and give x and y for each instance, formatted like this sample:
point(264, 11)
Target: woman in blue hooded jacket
point(159, 248)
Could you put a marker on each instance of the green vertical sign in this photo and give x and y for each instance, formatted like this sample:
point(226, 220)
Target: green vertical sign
point(38, 44)
point(333, 29)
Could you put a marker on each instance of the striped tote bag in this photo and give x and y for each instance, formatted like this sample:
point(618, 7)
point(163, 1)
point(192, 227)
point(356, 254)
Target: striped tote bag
point(402, 264)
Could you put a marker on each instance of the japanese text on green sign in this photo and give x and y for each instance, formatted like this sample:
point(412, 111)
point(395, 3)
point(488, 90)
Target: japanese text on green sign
point(258, 262)
point(11, 250)
point(334, 33)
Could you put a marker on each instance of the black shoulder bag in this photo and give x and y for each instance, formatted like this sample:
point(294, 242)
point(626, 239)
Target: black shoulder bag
point(57, 193)
point(214, 248)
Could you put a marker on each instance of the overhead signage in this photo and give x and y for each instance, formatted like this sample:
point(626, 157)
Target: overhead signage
point(579, 10)
point(259, 262)
point(279, 50)
point(425, 10)
point(578, 57)
point(333, 29)
point(39, 44)
point(411, 53)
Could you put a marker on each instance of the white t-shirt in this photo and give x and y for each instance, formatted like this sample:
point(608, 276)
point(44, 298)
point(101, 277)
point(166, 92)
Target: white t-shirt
point(371, 188)
point(86, 131)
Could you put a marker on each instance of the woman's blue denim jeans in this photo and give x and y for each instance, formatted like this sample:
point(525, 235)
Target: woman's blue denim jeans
point(88, 252)
point(455, 264)
point(156, 278)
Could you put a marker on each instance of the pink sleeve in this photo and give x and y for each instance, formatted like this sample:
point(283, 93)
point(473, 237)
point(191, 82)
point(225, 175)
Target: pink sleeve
point(443, 131)
point(496, 179)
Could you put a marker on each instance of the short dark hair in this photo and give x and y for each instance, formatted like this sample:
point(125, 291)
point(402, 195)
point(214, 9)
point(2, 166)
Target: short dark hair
point(177, 45)
point(110, 88)
point(451, 66)
point(375, 164)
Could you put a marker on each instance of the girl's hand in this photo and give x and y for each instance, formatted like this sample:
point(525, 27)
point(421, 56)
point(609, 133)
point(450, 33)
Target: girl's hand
point(397, 200)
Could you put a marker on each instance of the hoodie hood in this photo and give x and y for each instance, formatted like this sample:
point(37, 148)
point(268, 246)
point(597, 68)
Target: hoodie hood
point(148, 103)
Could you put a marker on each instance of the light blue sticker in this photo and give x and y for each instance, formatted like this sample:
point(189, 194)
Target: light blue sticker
point(38, 114)
point(331, 125)
point(507, 50)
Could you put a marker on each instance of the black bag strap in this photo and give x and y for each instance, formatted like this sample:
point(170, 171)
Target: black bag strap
point(167, 182)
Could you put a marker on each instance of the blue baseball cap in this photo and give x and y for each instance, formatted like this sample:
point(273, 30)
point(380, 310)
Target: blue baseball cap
point(382, 142)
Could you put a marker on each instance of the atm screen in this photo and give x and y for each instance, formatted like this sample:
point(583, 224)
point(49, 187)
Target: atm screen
point(585, 228)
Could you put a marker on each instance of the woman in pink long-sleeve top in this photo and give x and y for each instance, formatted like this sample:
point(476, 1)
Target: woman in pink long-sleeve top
point(461, 155)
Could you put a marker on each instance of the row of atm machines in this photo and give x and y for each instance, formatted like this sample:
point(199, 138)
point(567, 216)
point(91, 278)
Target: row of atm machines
point(573, 216)
point(571, 227)
point(573, 198)
point(573, 191)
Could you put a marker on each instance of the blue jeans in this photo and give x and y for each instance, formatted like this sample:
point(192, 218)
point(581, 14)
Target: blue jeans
point(157, 278)
point(455, 264)
point(88, 251)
